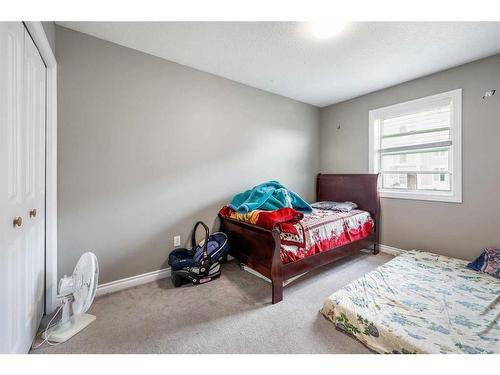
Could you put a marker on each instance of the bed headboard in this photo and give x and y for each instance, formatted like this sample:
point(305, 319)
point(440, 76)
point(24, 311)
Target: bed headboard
point(361, 189)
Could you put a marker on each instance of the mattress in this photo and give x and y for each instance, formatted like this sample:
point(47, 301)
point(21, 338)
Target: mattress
point(323, 230)
point(420, 302)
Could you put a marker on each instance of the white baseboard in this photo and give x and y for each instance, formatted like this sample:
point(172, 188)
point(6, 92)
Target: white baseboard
point(129, 282)
point(391, 250)
point(115, 286)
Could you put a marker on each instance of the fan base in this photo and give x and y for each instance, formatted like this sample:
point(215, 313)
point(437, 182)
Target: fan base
point(63, 332)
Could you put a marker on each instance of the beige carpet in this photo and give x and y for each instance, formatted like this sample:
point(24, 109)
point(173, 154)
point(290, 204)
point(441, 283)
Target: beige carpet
point(230, 315)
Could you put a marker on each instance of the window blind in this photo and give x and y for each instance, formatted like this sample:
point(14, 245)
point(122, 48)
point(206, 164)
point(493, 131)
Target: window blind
point(414, 147)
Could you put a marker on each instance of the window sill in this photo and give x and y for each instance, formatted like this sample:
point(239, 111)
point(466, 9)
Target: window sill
point(445, 197)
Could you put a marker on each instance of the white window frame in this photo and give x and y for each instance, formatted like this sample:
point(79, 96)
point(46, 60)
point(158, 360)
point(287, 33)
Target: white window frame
point(455, 195)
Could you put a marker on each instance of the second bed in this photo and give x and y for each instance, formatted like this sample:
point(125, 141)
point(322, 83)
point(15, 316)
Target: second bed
point(420, 302)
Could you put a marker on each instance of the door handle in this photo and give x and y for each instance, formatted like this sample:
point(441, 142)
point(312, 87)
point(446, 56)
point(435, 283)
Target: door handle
point(33, 212)
point(18, 221)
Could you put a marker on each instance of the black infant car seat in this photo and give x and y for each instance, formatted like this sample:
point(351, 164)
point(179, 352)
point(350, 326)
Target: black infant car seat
point(202, 263)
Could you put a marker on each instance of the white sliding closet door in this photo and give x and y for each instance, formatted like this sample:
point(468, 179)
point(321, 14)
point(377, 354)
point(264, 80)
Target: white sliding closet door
point(22, 188)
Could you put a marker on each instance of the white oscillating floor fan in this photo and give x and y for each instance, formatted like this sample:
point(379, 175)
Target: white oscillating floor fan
point(76, 293)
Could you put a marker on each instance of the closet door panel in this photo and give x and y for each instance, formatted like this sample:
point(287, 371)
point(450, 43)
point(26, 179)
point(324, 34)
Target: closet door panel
point(12, 239)
point(22, 188)
point(34, 192)
point(13, 81)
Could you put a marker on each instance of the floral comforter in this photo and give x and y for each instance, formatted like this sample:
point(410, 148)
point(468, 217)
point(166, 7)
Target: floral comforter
point(420, 302)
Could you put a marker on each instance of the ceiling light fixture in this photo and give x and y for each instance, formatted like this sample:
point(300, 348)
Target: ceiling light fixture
point(327, 29)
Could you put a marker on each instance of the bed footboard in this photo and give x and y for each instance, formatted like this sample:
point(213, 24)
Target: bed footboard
point(259, 249)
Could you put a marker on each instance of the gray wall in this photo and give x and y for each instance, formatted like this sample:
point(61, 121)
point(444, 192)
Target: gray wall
point(50, 31)
point(459, 230)
point(147, 147)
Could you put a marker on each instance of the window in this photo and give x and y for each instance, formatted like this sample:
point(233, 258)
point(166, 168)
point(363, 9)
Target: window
point(416, 147)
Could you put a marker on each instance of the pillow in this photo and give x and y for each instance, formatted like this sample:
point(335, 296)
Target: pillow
point(335, 206)
point(488, 262)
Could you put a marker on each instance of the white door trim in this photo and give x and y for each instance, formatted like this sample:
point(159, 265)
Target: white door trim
point(42, 43)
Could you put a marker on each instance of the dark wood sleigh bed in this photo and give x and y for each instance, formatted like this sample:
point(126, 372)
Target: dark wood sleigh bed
point(259, 248)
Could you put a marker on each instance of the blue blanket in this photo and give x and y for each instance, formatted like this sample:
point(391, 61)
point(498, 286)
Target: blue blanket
point(268, 196)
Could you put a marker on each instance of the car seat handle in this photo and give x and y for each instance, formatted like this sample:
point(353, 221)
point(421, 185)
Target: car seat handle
point(205, 244)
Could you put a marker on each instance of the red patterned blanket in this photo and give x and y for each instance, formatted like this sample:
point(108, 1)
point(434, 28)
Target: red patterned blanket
point(324, 230)
point(286, 219)
point(303, 235)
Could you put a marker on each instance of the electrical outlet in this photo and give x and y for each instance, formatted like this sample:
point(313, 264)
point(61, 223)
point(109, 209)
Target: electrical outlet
point(177, 241)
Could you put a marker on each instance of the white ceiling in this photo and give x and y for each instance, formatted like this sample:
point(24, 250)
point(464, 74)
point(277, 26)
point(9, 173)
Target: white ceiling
point(283, 57)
